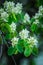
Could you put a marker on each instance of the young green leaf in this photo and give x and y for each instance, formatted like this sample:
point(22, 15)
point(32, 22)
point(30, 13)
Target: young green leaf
point(34, 28)
point(28, 51)
point(35, 51)
point(19, 48)
point(11, 50)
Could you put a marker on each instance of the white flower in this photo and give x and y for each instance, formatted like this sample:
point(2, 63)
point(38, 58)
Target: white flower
point(41, 8)
point(1, 10)
point(24, 34)
point(13, 27)
point(4, 16)
point(14, 41)
point(9, 6)
point(40, 12)
point(18, 8)
point(36, 16)
point(26, 18)
point(32, 41)
point(36, 22)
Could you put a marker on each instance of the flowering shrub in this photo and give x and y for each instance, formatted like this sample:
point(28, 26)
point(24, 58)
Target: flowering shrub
point(37, 21)
point(18, 27)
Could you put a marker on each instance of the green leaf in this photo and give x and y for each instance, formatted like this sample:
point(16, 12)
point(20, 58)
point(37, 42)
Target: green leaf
point(32, 20)
point(35, 51)
point(28, 51)
point(5, 27)
point(26, 44)
point(22, 16)
point(8, 36)
point(10, 19)
point(19, 48)
point(34, 28)
point(41, 19)
point(11, 50)
point(14, 17)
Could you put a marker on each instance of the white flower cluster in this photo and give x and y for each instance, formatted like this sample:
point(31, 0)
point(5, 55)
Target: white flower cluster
point(13, 27)
point(12, 7)
point(40, 12)
point(36, 21)
point(38, 16)
point(4, 16)
point(14, 41)
point(32, 41)
point(1, 10)
point(9, 6)
point(24, 34)
point(26, 18)
point(18, 8)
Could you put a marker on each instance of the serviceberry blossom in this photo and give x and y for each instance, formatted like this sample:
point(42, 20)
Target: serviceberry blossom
point(24, 34)
point(36, 21)
point(4, 16)
point(40, 13)
point(12, 7)
point(1, 10)
point(13, 27)
point(14, 41)
point(32, 41)
point(9, 6)
point(36, 16)
point(41, 9)
point(26, 18)
point(18, 8)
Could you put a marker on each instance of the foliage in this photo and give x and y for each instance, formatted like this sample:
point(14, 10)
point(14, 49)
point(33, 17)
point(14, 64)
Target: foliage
point(37, 21)
point(20, 29)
